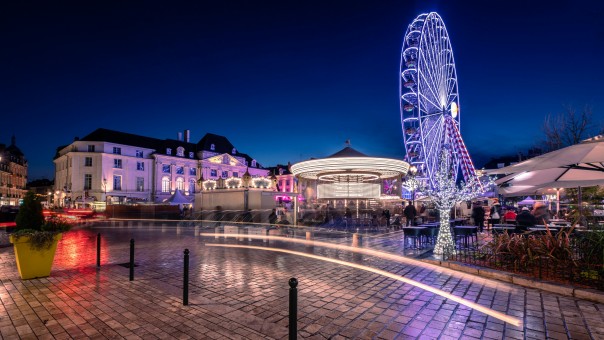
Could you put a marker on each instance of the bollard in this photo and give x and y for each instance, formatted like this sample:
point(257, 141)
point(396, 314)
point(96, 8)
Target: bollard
point(185, 280)
point(293, 309)
point(357, 240)
point(131, 259)
point(308, 236)
point(98, 250)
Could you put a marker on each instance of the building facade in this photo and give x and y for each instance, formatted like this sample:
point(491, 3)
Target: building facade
point(13, 174)
point(111, 167)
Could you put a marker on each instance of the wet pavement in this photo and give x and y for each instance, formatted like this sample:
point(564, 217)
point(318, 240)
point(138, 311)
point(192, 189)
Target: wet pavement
point(242, 293)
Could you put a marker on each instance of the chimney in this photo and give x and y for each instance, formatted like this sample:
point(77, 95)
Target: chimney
point(187, 136)
point(179, 138)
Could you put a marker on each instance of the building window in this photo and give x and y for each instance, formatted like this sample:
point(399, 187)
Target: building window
point(88, 161)
point(87, 181)
point(168, 151)
point(226, 160)
point(117, 151)
point(253, 163)
point(287, 182)
point(180, 170)
point(234, 151)
point(90, 148)
point(165, 168)
point(180, 184)
point(192, 171)
point(165, 184)
point(225, 174)
point(180, 151)
point(212, 147)
point(235, 174)
point(191, 186)
point(213, 173)
point(117, 163)
point(191, 155)
point(139, 154)
point(117, 182)
point(140, 166)
point(140, 184)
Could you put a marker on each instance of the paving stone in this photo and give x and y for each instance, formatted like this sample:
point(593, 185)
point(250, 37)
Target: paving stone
point(243, 294)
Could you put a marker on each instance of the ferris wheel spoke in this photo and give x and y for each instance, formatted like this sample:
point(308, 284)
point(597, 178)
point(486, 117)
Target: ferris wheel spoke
point(429, 101)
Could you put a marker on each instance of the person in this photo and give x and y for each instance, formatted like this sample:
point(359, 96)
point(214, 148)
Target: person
point(541, 214)
point(509, 216)
point(478, 216)
point(495, 213)
point(387, 217)
point(410, 212)
point(272, 218)
point(525, 219)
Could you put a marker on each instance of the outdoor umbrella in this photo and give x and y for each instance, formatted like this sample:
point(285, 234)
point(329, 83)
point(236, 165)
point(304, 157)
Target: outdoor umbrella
point(178, 198)
point(580, 165)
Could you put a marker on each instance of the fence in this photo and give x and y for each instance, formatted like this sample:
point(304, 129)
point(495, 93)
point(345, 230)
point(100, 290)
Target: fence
point(575, 258)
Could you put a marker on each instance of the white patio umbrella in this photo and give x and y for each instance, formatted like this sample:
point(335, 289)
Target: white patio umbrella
point(580, 165)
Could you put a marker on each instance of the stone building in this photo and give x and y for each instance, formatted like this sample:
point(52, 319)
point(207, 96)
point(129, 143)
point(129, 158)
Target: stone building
point(112, 167)
point(13, 174)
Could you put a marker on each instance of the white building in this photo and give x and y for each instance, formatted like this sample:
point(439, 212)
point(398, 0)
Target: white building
point(108, 166)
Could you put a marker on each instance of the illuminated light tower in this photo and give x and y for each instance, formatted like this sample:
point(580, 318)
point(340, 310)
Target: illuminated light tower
point(430, 118)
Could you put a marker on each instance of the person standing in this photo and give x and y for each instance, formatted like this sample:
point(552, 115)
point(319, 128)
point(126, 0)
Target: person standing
point(478, 216)
point(410, 213)
point(495, 213)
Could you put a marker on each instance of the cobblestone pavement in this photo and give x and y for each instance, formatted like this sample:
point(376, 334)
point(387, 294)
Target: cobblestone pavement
point(238, 293)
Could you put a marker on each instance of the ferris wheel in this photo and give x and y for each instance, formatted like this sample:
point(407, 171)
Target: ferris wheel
point(429, 99)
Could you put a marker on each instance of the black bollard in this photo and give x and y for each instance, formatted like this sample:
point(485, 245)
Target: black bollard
point(98, 250)
point(131, 259)
point(185, 280)
point(293, 309)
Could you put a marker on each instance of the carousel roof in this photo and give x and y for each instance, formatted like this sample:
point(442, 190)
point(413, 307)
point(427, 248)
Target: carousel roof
point(350, 165)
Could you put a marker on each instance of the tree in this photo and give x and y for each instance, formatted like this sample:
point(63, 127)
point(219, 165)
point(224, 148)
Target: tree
point(445, 193)
point(30, 213)
point(568, 127)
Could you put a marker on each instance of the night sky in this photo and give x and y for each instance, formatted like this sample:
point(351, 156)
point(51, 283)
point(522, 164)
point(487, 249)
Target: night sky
point(285, 80)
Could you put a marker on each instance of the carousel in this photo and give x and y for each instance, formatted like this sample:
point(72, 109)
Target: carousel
point(350, 182)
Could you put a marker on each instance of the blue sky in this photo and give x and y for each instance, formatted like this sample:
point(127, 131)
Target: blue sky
point(286, 80)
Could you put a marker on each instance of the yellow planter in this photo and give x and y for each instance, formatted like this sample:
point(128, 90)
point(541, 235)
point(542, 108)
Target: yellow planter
point(33, 263)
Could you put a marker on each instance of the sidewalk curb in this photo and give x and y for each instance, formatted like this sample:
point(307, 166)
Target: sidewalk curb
point(548, 286)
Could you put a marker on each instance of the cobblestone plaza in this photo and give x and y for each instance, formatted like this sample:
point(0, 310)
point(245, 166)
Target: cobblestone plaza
point(242, 293)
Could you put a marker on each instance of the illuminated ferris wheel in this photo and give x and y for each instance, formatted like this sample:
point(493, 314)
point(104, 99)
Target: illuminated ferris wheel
point(429, 99)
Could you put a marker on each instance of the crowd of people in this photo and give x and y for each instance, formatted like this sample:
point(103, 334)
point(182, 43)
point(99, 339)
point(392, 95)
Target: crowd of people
point(523, 219)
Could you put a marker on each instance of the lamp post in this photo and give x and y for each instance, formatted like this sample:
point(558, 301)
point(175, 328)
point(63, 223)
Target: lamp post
point(557, 201)
point(105, 189)
point(412, 172)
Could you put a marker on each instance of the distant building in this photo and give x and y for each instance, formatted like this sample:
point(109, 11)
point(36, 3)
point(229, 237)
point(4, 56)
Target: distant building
point(114, 167)
point(13, 174)
point(44, 188)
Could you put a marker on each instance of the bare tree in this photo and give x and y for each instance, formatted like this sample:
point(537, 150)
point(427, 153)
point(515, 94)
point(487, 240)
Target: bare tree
point(568, 127)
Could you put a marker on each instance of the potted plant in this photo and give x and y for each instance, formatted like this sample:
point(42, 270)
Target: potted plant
point(35, 239)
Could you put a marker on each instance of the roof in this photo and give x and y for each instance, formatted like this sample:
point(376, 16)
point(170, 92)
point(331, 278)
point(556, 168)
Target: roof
point(221, 145)
point(106, 135)
point(348, 152)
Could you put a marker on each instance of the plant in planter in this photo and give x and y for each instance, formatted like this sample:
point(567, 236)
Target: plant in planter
point(35, 239)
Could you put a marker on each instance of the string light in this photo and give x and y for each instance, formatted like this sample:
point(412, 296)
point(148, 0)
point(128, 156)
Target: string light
point(445, 193)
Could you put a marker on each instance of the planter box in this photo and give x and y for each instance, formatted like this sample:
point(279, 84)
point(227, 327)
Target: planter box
point(33, 263)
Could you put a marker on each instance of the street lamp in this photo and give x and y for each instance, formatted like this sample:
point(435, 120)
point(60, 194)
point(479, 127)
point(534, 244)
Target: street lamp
point(105, 188)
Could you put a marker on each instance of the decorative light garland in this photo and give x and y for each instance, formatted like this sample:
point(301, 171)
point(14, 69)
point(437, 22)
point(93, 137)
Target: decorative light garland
point(445, 193)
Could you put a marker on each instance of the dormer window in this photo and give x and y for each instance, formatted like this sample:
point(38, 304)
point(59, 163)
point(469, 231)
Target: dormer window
point(191, 155)
point(180, 151)
point(212, 147)
point(234, 151)
point(168, 151)
point(280, 171)
point(253, 163)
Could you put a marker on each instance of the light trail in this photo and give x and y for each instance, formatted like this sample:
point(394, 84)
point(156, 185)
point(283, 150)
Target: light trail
point(381, 254)
point(498, 315)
